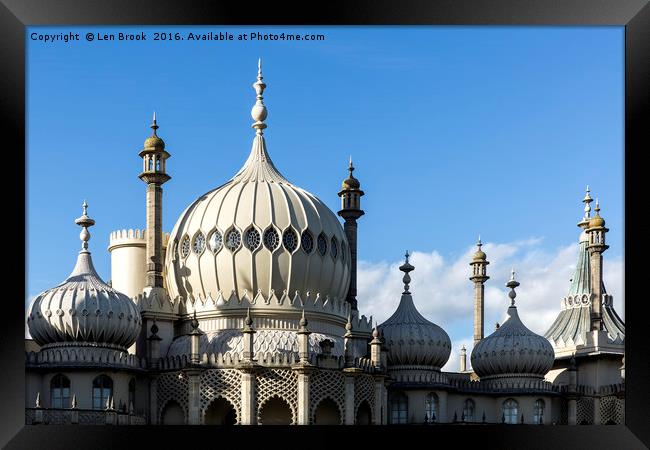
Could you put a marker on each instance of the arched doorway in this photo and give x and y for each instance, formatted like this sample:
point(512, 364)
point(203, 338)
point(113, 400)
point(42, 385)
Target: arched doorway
point(275, 411)
point(327, 413)
point(173, 414)
point(364, 415)
point(220, 412)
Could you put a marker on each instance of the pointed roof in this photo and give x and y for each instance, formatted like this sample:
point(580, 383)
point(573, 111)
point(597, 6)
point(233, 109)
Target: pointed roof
point(84, 308)
point(411, 338)
point(573, 322)
point(512, 349)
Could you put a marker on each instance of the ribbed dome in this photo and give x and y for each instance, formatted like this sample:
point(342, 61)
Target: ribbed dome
point(412, 340)
point(83, 308)
point(512, 350)
point(258, 234)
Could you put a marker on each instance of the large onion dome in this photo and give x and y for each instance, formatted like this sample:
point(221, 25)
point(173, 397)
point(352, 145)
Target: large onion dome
point(258, 234)
point(84, 309)
point(512, 351)
point(413, 341)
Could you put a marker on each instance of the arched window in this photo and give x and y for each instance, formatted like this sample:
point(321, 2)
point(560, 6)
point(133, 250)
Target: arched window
point(102, 391)
point(131, 395)
point(538, 411)
point(399, 406)
point(468, 410)
point(509, 410)
point(431, 407)
point(60, 391)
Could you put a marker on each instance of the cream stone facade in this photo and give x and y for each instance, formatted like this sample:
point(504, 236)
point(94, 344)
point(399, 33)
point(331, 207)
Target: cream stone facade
point(247, 313)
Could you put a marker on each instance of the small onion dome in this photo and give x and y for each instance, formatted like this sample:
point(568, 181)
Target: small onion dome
point(413, 340)
point(84, 308)
point(597, 221)
point(350, 182)
point(479, 255)
point(512, 350)
point(154, 141)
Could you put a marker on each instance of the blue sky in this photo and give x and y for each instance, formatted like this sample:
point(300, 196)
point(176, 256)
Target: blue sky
point(454, 131)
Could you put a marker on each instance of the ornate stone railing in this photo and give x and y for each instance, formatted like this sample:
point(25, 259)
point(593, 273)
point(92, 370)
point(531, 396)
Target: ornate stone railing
point(83, 355)
point(496, 384)
point(72, 416)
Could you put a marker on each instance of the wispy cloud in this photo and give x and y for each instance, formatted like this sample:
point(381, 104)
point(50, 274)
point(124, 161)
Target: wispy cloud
point(443, 293)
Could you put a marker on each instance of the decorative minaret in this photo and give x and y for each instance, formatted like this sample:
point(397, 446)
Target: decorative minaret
point(596, 231)
point(350, 211)
point(154, 156)
point(479, 277)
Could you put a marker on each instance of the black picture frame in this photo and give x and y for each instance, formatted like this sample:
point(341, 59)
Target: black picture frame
point(634, 15)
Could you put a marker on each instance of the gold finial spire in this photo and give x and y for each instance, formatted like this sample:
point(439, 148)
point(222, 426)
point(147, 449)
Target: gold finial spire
point(154, 124)
point(259, 112)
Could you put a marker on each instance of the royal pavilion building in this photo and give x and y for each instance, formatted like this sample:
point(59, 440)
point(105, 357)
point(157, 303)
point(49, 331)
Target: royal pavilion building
point(247, 313)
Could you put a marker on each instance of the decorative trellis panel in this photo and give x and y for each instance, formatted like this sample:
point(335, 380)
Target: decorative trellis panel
point(611, 410)
point(224, 383)
point(172, 386)
point(585, 411)
point(364, 389)
point(282, 383)
point(326, 384)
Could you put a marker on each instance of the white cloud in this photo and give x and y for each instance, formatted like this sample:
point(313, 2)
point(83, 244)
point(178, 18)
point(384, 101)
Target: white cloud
point(442, 291)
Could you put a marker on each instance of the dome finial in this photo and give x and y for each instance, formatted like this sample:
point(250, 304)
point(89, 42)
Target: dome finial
point(406, 268)
point(195, 322)
point(587, 200)
point(154, 124)
point(512, 284)
point(259, 112)
point(85, 222)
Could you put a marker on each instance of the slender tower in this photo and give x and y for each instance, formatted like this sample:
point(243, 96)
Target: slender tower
point(154, 156)
point(350, 211)
point(479, 277)
point(596, 231)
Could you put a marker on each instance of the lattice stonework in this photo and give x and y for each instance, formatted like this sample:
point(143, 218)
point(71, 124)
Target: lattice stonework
point(611, 410)
point(172, 386)
point(326, 384)
point(226, 383)
point(364, 389)
point(282, 383)
point(585, 411)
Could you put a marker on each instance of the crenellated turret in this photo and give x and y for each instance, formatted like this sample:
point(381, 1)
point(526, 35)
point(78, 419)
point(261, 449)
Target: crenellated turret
point(129, 260)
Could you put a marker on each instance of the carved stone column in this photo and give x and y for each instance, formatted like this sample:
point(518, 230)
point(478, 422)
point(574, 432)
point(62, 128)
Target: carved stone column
point(248, 400)
point(304, 372)
point(194, 396)
point(153, 401)
point(350, 374)
point(379, 401)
